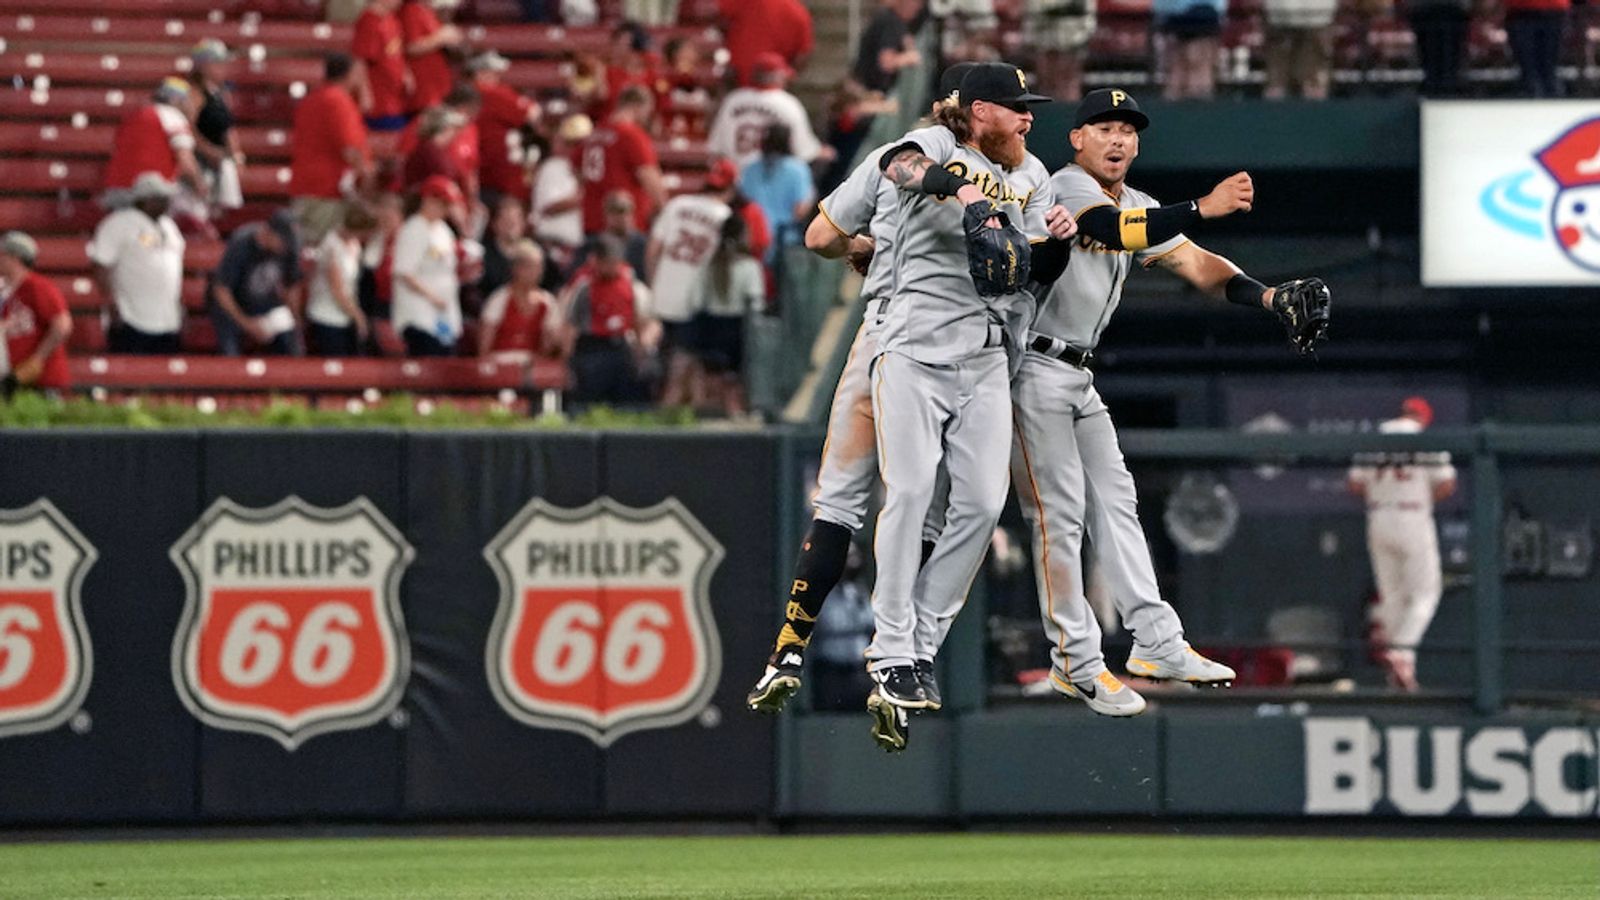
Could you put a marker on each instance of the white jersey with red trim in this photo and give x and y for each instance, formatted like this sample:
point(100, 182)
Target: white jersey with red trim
point(1401, 482)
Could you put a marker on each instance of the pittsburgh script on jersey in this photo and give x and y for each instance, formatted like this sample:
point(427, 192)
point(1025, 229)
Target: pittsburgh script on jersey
point(291, 558)
point(992, 187)
point(603, 558)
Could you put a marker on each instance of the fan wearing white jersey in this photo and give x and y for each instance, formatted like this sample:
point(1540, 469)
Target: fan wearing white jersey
point(682, 241)
point(747, 112)
point(1400, 491)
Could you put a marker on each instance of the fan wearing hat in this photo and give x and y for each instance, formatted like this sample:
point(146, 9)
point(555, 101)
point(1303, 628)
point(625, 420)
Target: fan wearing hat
point(1066, 462)
point(256, 288)
point(1400, 491)
point(502, 118)
point(940, 392)
point(138, 262)
point(154, 138)
point(427, 286)
point(747, 113)
point(682, 242)
point(217, 143)
point(34, 318)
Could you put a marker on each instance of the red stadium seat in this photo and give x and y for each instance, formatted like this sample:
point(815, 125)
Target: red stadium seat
point(39, 216)
point(172, 9)
point(130, 69)
point(200, 373)
point(88, 335)
point(111, 104)
point(51, 176)
point(178, 34)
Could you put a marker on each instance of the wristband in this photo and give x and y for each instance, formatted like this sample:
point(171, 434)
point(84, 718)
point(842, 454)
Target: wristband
point(1245, 291)
point(940, 182)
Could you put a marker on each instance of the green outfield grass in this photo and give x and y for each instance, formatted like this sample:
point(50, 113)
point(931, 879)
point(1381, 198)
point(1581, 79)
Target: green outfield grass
point(1032, 866)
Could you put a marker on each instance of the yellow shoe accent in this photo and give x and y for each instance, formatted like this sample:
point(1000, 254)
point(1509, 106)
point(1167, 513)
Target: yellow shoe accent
point(1140, 667)
point(1110, 682)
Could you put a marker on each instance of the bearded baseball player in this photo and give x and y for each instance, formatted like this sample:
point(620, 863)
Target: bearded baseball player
point(856, 221)
point(940, 386)
point(1403, 542)
point(1066, 462)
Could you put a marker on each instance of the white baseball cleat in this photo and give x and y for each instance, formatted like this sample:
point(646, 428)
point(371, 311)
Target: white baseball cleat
point(1181, 665)
point(1104, 693)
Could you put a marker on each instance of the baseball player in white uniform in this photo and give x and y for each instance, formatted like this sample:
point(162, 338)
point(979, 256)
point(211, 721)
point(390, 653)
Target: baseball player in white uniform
point(1400, 491)
point(857, 220)
point(940, 389)
point(1066, 463)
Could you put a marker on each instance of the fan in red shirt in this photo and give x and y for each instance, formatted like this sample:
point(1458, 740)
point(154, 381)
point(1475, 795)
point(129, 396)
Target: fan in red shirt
point(425, 39)
point(630, 64)
point(519, 318)
point(155, 138)
point(501, 118)
point(33, 316)
point(755, 27)
point(385, 82)
point(329, 144)
point(683, 104)
point(457, 156)
point(619, 156)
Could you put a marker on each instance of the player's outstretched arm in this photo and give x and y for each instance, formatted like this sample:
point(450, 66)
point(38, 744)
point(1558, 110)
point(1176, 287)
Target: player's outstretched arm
point(1301, 305)
point(1140, 228)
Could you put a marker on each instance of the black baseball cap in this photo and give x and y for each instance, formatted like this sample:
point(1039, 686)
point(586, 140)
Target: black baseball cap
point(997, 82)
point(950, 81)
point(1111, 104)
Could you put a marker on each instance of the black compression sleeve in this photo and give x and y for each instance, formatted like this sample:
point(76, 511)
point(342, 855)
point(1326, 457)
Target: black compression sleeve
point(1049, 260)
point(1137, 229)
point(1245, 291)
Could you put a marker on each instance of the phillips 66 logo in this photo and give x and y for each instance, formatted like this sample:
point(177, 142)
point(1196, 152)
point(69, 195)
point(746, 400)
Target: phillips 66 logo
point(604, 625)
point(45, 661)
point(292, 625)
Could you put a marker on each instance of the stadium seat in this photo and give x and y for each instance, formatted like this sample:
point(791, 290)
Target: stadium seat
point(41, 217)
point(200, 373)
point(133, 69)
point(110, 104)
point(83, 294)
point(171, 9)
point(274, 37)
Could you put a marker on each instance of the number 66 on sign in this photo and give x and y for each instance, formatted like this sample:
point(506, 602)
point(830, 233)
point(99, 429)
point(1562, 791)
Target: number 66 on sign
point(604, 625)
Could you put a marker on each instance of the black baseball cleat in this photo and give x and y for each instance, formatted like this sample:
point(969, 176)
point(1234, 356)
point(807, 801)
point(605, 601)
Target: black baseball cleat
point(930, 687)
point(891, 727)
point(778, 683)
point(900, 686)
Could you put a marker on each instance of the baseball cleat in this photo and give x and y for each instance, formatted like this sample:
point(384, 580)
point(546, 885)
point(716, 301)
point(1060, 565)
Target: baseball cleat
point(930, 686)
point(778, 683)
point(900, 686)
point(891, 727)
point(1104, 693)
point(1182, 665)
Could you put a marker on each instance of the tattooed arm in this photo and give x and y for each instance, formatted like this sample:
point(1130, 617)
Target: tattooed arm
point(1206, 271)
point(909, 169)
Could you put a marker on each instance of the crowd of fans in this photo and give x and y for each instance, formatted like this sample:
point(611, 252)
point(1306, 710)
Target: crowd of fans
point(434, 205)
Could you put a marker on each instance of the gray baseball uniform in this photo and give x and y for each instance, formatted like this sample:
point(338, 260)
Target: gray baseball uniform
point(1067, 464)
point(940, 395)
point(864, 202)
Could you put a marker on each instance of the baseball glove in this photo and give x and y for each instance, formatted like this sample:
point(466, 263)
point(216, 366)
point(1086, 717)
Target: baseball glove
point(1302, 306)
point(997, 258)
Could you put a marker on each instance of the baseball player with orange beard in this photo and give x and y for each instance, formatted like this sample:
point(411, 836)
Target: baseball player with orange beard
point(1067, 466)
point(1400, 490)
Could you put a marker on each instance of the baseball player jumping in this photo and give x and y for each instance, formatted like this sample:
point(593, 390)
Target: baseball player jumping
point(1066, 462)
point(940, 386)
point(856, 221)
point(1400, 491)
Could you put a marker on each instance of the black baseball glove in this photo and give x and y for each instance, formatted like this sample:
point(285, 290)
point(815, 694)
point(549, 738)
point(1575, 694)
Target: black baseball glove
point(1302, 306)
point(998, 258)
